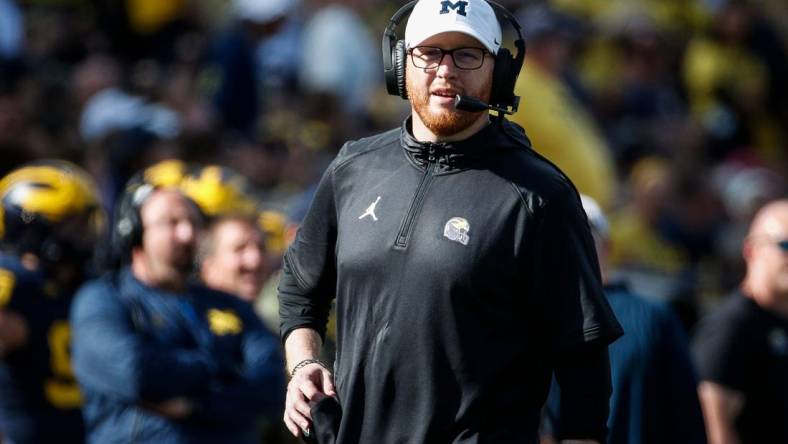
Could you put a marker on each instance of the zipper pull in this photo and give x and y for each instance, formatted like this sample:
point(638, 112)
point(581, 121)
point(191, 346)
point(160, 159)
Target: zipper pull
point(431, 158)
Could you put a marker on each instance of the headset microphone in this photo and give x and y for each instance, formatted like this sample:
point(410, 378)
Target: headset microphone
point(474, 105)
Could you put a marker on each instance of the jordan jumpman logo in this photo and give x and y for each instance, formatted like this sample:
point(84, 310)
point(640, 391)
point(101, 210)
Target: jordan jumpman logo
point(370, 211)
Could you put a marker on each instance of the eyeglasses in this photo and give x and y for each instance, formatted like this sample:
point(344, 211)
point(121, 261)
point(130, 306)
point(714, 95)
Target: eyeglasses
point(430, 57)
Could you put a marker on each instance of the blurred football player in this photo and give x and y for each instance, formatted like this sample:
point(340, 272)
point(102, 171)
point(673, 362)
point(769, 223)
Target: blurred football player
point(50, 219)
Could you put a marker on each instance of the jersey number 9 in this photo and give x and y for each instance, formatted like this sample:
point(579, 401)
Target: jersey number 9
point(61, 389)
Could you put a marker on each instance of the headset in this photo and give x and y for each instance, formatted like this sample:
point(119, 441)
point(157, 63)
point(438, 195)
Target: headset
point(505, 72)
point(127, 222)
point(127, 227)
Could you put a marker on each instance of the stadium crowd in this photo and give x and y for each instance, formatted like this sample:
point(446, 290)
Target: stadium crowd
point(672, 115)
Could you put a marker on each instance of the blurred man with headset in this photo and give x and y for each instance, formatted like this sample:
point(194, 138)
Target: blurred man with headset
point(160, 357)
point(461, 262)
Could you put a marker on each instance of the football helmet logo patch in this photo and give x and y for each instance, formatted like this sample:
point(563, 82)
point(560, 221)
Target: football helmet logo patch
point(457, 229)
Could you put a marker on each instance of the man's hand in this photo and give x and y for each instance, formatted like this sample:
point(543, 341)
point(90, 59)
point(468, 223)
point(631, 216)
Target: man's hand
point(309, 385)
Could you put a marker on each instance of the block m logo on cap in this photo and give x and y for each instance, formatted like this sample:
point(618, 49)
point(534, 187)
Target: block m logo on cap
point(457, 6)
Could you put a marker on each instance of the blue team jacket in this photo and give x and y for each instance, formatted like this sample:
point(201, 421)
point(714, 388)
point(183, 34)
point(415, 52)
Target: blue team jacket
point(135, 346)
point(39, 397)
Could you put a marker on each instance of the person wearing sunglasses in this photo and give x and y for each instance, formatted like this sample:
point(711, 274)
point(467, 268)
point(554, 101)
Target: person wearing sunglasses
point(741, 350)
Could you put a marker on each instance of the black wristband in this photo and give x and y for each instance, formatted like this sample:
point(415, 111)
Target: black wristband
point(306, 362)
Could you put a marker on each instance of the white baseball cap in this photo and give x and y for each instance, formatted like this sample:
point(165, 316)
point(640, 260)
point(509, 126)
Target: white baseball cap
point(473, 17)
point(262, 11)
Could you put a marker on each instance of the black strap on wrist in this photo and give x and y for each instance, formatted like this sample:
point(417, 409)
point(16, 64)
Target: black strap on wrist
point(306, 362)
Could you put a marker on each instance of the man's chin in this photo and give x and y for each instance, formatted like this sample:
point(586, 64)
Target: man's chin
point(249, 292)
point(183, 265)
point(446, 122)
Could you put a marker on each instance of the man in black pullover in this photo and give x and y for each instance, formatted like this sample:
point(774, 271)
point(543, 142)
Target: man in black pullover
point(461, 261)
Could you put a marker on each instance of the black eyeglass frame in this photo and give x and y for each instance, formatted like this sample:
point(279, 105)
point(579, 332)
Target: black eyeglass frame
point(443, 53)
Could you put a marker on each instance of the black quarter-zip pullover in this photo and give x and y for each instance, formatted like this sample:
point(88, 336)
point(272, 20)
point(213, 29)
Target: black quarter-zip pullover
point(463, 273)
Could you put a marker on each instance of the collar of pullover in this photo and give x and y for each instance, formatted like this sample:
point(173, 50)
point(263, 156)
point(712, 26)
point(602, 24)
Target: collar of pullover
point(458, 154)
point(448, 155)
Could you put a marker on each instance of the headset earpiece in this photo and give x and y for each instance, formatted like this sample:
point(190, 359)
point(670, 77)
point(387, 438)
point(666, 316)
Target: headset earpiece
point(399, 58)
point(127, 229)
point(127, 222)
point(394, 54)
point(503, 78)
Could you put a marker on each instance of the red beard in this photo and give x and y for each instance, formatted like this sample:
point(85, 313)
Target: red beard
point(445, 122)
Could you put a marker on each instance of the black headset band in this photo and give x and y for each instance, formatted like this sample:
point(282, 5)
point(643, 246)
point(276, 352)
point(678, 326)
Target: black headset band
point(390, 37)
point(519, 43)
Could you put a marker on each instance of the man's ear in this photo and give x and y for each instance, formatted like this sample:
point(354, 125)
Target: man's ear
point(746, 249)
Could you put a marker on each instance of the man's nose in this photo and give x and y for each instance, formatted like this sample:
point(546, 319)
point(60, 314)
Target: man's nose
point(253, 257)
point(446, 67)
point(186, 231)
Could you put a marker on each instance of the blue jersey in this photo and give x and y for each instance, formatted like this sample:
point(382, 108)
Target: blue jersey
point(39, 397)
point(136, 346)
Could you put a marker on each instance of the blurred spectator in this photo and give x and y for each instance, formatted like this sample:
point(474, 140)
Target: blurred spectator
point(96, 73)
point(743, 190)
point(742, 349)
point(654, 384)
point(660, 238)
point(278, 60)
point(635, 98)
point(14, 115)
point(555, 121)
point(238, 97)
point(161, 359)
point(233, 257)
point(113, 110)
point(734, 76)
point(12, 30)
point(635, 240)
point(339, 58)
point(124, 132)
